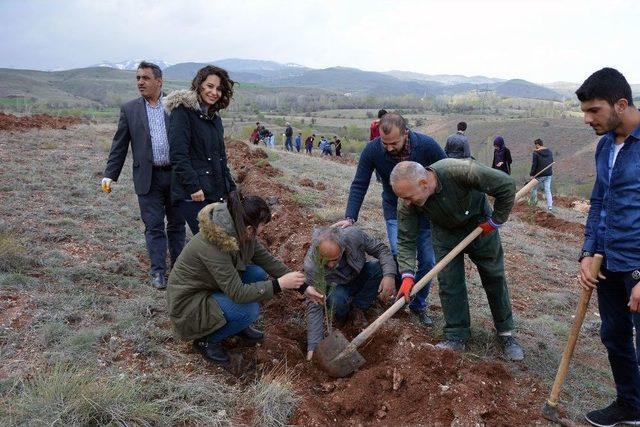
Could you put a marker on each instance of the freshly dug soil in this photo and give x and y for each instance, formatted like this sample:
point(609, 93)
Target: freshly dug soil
point(405, 380)
point(9, 122)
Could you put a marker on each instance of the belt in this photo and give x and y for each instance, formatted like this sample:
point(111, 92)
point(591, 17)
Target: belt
point(162, 168)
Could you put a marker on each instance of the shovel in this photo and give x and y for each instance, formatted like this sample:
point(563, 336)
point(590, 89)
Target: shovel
point(550, 408)
point(338, 357)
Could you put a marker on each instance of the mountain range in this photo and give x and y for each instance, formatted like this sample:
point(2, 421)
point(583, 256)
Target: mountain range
point(352, 81)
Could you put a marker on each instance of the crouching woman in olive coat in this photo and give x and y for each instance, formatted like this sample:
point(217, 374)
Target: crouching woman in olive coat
point(221, 276)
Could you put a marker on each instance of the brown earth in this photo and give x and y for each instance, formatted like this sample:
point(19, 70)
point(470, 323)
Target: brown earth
point(405, 380)
point(9, 122)
point(540, 217)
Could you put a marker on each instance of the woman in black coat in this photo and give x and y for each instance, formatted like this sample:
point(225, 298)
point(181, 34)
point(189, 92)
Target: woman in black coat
point(196, 137)
point(501, 156)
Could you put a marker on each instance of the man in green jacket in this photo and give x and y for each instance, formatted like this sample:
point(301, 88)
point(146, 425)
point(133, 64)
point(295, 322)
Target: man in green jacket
point(452, 192)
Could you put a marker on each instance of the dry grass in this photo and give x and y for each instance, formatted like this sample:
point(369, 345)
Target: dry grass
point(273, 398)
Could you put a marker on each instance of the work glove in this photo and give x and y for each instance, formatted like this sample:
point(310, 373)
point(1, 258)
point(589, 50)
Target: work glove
point(488, 226)
point(106, 185)
point(405, 288)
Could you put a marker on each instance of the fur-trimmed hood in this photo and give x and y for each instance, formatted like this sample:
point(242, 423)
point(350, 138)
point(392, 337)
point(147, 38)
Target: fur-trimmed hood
point(186, 98)
point(216, 225)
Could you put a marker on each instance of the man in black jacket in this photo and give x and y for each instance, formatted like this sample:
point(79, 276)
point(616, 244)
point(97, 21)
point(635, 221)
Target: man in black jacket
point(542, 157)
point(288, 133)
point(143, 124)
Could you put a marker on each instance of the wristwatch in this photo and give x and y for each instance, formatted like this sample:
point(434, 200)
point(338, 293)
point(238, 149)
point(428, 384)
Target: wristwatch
point(585, 254)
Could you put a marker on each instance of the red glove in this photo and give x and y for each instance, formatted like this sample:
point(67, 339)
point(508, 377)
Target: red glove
point(488, 226)
point(405, 288)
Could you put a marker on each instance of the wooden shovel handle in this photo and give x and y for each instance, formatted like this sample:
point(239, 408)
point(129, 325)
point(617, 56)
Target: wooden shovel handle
point(581, 310)
point(366, 333)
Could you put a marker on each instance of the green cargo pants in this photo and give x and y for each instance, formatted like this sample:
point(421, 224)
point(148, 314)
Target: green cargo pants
point(486, 253)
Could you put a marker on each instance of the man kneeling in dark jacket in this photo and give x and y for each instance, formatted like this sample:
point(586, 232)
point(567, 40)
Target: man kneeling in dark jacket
point(336, 264)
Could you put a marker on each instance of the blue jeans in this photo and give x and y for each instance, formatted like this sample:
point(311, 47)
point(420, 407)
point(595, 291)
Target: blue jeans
point(361, 292)
point(425, 256)
point(287, 144)
point(545, 181)
point(189, 210)
point(616, 333)
point(238, 316)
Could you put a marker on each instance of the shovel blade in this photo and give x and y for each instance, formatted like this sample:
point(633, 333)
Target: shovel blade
point(328, 355)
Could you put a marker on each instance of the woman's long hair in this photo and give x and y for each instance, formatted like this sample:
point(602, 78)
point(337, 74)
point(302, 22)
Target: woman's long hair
point(225, 82)
point(247, 211)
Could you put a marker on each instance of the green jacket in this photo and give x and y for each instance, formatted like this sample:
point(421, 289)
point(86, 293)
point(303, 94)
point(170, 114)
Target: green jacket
point(459, 200)
point(212, 262)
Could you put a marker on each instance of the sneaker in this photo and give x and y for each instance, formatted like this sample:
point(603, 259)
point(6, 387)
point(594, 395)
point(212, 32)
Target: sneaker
point(423, 317)
point(616, 413)
point(158, 281)
point(252, 334)
point(453, 345)
point(511, 348)
point(212, 352)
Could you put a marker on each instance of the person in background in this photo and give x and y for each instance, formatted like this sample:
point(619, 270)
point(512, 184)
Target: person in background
point(613, 230)
point(221, 276)
point(457, 145)
point(298, 141)
point(288, 134)
point(338, 144)
point(198, 156)
point(143, 123)
point(501, 156)
point(308, 143)
point(541, 158)
point(374, 128)
point(325, 146)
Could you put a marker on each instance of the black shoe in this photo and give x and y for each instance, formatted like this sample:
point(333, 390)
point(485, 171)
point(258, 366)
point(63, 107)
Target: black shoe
point(252, 334)
point(212, 352)
point(616, 413)
point(511, 348)
point(423, 317)
point(158, 281)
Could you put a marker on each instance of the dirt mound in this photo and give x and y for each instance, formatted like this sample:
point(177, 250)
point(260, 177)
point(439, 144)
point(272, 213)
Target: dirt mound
point(9, 122)
point(405, 380)
point(306, 182)
point(542, 218)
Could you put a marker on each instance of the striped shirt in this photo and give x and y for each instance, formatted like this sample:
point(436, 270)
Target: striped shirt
point(158, 131)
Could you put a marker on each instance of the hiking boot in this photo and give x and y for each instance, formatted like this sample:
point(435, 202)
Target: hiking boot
point(252, 334)
point(358, 318)
point(423, 317)
point(212, 352)
point(453, 345)
point(511, 348)
point(617, 413)
point(158, 281)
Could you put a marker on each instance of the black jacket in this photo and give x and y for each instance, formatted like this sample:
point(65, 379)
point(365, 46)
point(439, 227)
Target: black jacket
point(541, 159)
point(133, 127)
point(506, 164)
point(197, 150)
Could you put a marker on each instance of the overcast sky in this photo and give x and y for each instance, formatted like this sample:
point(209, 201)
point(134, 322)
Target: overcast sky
point(541, 41)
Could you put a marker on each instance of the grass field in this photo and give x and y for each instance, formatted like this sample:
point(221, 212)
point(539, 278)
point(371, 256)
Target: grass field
point(84, 340)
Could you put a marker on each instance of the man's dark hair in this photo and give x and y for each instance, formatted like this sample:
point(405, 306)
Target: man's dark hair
point(157, 72)
point(381, 113)
point(225, 82)
point(538, 142)
point(608, 84)
point(390, 120)
point(462, 126)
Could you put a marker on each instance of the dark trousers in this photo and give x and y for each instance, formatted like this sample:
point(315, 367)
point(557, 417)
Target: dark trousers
point(361, 292)
point(189, 210)
point(287, 144)
point(154, 207)
point(616, 333)
point(486, 253)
